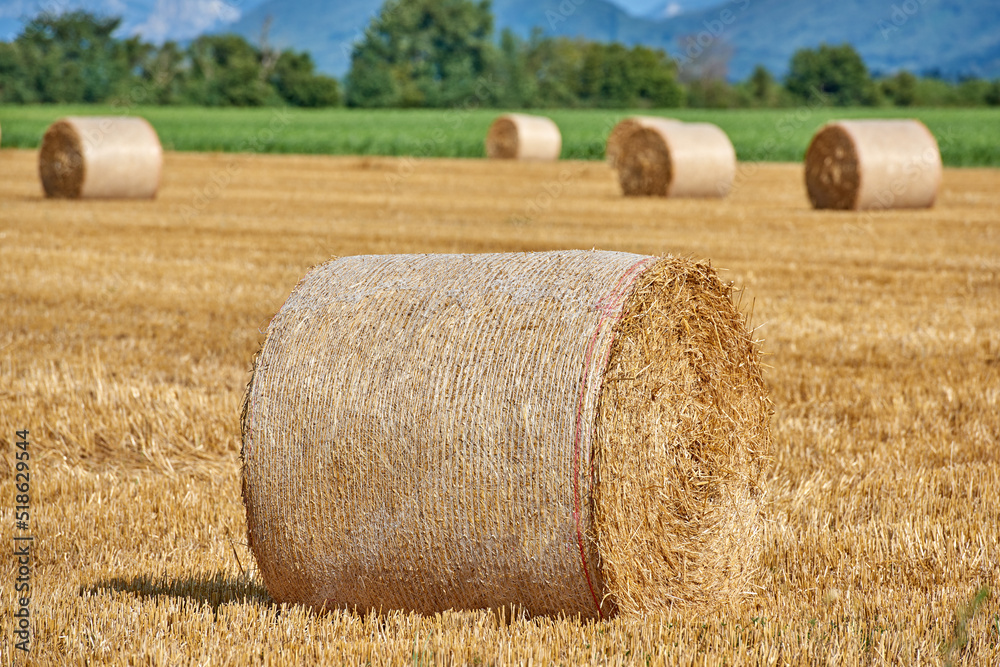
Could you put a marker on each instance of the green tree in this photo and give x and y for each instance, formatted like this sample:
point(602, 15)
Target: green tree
point(370, 81)
point(556, 64)
point(934, 91)
point(15, 81)
point(295, 79)
point(654, 78)
point(711, 94)
point(164, 72)
point(515, 85)
point(972, 92)
point(901, 89)
point(613, 76)
point(837, 73)
point(72, 57)
point(993, 94)
point(422, 53)
point(606, 78)
point(762, 88)
point(225, 71)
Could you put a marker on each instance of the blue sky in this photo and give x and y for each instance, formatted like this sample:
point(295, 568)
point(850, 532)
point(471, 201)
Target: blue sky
point(157, 20)
point(663, 7)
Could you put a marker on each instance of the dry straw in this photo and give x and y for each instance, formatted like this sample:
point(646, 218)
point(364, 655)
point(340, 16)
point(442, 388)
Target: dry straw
point(620, 132)
point(100, 157)
point(865, 164)
point(672, 159)
point(570, 432)
point(518, 136)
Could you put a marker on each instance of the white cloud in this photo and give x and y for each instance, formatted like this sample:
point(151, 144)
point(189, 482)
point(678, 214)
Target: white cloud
point(23, 9)
point(184, 19)
point(154, 20)
point(673, 9)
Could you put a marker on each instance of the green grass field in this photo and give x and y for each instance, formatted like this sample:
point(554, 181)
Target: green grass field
point(967, 137)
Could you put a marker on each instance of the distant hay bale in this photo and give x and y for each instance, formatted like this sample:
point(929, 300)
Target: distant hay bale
point(672, 159)
point(621, 131)
point(865, 164)
point(100, 157)
point(569, 432)
point(517, 136)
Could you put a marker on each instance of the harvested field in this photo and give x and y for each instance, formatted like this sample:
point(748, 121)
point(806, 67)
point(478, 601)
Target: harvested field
point(128, 329)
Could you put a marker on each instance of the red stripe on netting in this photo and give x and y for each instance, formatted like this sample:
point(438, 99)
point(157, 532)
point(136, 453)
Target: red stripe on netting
point(610, 306)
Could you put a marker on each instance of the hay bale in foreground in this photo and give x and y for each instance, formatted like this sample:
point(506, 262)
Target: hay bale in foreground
point(864, 164)
point(673, 159)
point(517, 136)
point(622, 130)
point(578, 432)
point(100, 157)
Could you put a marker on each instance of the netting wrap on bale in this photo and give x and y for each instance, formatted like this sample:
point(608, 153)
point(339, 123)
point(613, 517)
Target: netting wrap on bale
point(866, 164)
point(672, 159)
point(577, 432)
point(100, 157)
point(622, 130)
point(517, 136)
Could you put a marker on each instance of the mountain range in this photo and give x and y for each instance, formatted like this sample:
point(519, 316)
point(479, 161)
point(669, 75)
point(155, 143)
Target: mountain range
point(952, 38)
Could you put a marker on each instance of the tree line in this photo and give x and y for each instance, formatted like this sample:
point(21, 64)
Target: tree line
point(75, 57)
point(438, 54)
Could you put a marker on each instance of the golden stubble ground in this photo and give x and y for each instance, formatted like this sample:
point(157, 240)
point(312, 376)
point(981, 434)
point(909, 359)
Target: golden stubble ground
point(126, 336)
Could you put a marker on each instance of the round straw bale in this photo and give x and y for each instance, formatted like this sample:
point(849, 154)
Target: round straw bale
point(569, 432)
point(100, 157)
point(671, 159)
point(620, 132)
point(517, 136)
point(864, 164)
